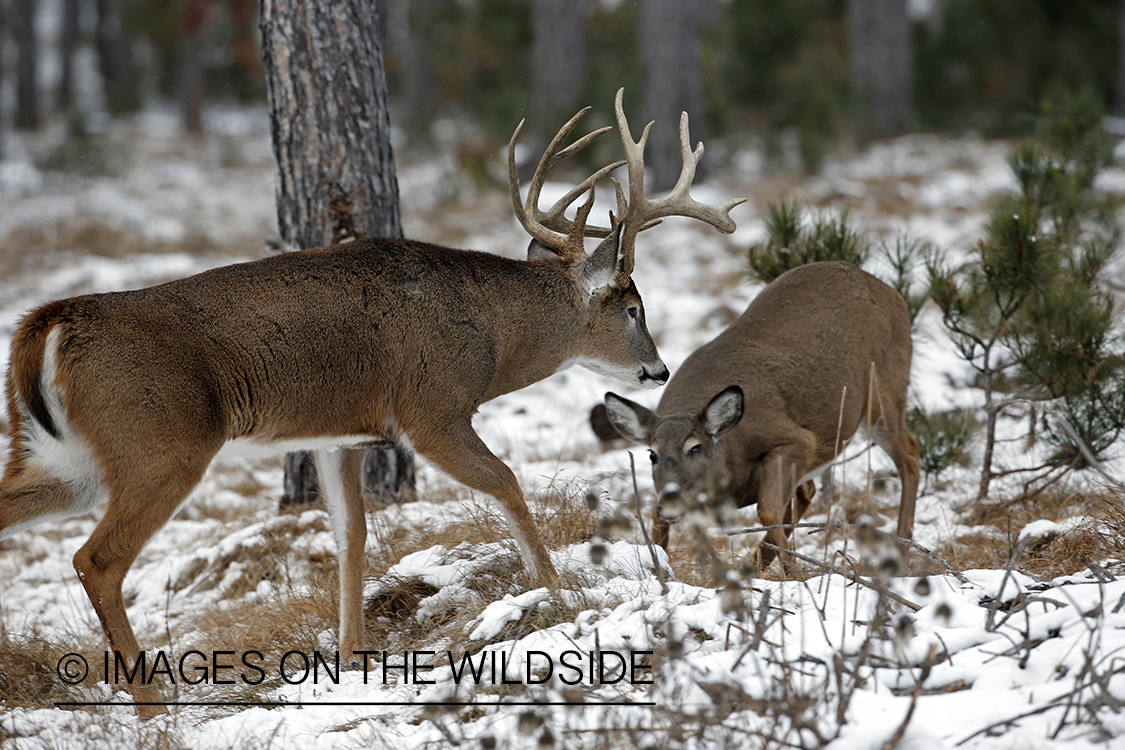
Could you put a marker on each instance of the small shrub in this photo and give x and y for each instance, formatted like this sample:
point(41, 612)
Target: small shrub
point(792, 241)
point(945, 437)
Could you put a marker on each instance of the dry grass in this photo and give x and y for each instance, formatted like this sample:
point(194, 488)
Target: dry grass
point(28, 677)
point(996, 528)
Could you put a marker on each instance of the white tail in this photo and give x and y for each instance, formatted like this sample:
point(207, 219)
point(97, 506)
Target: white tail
point(757, 412)
point(129, 396)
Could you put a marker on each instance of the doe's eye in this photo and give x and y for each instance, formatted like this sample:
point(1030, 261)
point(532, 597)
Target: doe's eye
point(652, 456)
point(632, 312)
point(695, 450)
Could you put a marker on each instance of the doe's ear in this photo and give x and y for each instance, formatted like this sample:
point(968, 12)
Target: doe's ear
point(724, 412)
point(631, 419)
point(599, 270)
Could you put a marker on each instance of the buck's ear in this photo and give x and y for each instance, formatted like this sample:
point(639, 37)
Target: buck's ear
point(600, 269)
point(724, 412)
point(631, 419)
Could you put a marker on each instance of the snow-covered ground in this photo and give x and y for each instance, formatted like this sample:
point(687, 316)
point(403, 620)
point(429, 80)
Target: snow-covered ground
point(981, 659)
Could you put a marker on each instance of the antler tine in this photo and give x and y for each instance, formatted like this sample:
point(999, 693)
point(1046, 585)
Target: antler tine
point(555, 218)
point(538, 232)
point(546, 227)
point(642, 212)
point(679, 200)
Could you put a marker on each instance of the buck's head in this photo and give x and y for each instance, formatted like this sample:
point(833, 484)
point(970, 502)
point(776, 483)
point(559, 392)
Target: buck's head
point(687, 450)
point(617, 342)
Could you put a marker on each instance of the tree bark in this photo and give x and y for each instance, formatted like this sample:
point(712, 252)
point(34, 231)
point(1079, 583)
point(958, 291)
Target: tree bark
point(331, 136)
point(27, 64)
point(1119, 103)
point(68, 43)
point(668, 37)
point(880, 53)
point(558, 58)
point(120, 76)
point(418, 74)
point(3, 30)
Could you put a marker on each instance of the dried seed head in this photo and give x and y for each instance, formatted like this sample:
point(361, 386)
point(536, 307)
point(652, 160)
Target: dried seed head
point(922, 587)
point(529, 722)
point(944, 611)
point(615, 526)
point(730, 595)
point(547, 739)
point(598, 551)
point(747, 571)
point(488, 742)
point(724, 512)
point(889, 565)
point(592, 501)
point(867, 535)
point(672, 500)
point(904, 632)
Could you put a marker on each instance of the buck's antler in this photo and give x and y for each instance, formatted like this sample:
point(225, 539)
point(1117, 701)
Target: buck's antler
point(551, 228)
point(643, 212)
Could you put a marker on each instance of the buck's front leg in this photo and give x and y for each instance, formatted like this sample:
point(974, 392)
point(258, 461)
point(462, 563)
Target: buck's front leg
point(342, 489)
point(459, 452)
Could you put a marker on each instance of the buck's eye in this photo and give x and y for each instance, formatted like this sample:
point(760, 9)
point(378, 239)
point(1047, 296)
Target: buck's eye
point(652, 456)
point(632, 312)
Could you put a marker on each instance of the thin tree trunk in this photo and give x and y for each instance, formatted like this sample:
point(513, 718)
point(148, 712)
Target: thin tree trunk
point(331, 137)
point(120, 77)
point(558, 58)
point(3, 31)
point(27, 64)
point(880, 52)
point(417, 68)
point(1119, 97)
point(68, 43)
point(668, 37)
point(991, 413)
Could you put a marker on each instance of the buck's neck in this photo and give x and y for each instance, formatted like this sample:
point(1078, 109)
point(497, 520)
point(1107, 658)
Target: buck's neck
point(546, 318)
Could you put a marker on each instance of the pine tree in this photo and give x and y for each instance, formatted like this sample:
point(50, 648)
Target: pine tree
point(1029, 313)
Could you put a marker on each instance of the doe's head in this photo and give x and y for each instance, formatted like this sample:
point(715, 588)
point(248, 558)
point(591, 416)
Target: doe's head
point(685, 449)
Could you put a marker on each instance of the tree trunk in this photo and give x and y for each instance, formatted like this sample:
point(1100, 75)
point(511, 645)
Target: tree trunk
point(417, 74)
point(331, 137)
point(668, 37)
point(27, 64)
point(189, 53)
point(880, 53)
point(3, 30)
point(68, 43)
point(1119, 96)
point(120, 76)
point(558, 58)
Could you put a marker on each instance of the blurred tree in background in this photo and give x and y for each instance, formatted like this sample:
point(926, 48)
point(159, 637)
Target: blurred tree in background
point(796, 76)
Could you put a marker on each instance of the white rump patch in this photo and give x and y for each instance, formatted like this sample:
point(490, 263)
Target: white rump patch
point(68, 458)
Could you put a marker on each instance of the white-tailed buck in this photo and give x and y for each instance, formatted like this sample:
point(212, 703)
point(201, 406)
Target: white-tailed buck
point(128, 396)
point(756, 413)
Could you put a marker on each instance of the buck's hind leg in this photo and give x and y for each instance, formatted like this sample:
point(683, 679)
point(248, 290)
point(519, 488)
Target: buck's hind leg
point(459, 452)
point(135, 512)
point(28, 496)
point(342, 489)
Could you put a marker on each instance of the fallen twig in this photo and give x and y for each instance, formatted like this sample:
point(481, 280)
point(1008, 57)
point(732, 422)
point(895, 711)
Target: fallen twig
point(850, 576)
point(841, 525)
